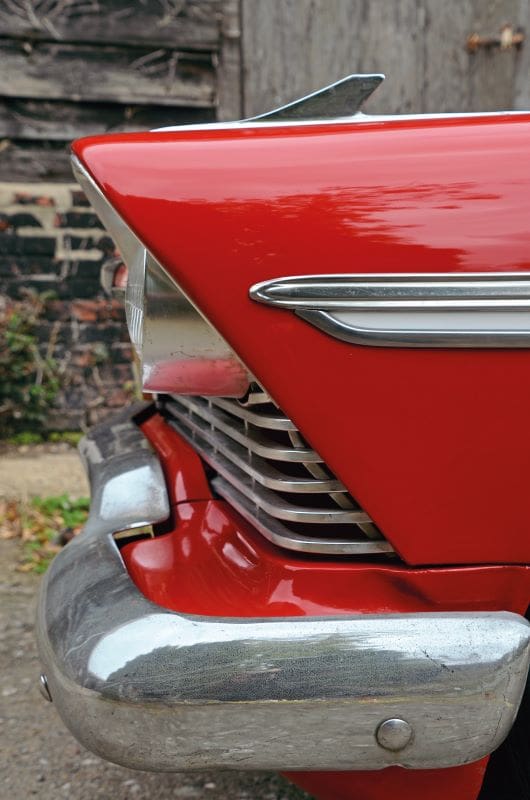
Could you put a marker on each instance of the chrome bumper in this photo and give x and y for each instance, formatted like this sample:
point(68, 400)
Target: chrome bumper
point(154, 689)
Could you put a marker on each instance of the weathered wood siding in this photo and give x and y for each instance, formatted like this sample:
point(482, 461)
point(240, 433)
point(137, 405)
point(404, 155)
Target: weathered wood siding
point(292, 47)
point(70, 68)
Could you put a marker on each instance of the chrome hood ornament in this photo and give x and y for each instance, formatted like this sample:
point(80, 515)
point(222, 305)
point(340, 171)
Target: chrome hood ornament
point(343, 98)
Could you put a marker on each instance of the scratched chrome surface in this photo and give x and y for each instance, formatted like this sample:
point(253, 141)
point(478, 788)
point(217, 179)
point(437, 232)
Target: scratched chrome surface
point(159, 690)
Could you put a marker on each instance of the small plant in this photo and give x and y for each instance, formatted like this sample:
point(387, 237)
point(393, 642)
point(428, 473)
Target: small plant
point(42, 525)
point(67, 437)
point(29, 381)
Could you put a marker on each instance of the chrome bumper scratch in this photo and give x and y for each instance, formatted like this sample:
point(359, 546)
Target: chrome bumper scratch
point(154, 689)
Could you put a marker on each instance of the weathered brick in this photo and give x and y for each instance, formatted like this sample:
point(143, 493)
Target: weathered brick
point(77, 219)
point(106, 333)
point(19, 285)
point(58, 309)
point(90, 242)
point(121, 352)
point(64, 419)
point(85, 310)
point(38, 245)
point(28, 265)
point(60, 332)
point(23, 219)
point(28, 199)
point(83, 330)
point(115, 374)
point(79, 198)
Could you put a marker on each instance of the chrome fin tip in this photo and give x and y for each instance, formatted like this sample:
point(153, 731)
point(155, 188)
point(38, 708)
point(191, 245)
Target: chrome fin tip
point(343, 98)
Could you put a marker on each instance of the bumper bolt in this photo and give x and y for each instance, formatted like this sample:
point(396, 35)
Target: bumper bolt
point(43, 688)
point(394, 734)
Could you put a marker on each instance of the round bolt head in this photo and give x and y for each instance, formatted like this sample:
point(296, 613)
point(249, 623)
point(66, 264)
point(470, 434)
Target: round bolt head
point(43, 688)
point(394, 734)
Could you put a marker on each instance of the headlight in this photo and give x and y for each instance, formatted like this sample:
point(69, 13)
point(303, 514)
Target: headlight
point(179, 350)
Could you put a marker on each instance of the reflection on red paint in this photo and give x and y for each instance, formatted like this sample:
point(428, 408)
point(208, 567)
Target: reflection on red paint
point(434, 445)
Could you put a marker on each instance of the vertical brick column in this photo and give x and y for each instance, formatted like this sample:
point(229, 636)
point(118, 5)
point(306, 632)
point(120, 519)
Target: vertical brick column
point(52, 242)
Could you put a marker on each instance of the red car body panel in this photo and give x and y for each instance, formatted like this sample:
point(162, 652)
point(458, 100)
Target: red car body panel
point(458, 783)
point(434, 444)
point(210, 561)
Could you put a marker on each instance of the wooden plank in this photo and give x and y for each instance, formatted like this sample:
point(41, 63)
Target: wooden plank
point(29, 163)
point(83, 72)
point(58, 121)
point(446, 86)
point(193, 24)
point(391, 41)
point(229, 79)
point(522, 67)
point(291, 47)
point(492, 71)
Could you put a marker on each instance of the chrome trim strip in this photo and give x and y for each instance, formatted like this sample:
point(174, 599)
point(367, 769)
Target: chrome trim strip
point(214, 446)
point(483, 310)
point(358, 119)
point(277, 422)
point(252, 441)
point(161, 690)
point(128, 489)
point(277, 533)
point(403, 291)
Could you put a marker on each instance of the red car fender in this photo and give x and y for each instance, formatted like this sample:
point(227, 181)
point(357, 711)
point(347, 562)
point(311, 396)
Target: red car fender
point(434, 445)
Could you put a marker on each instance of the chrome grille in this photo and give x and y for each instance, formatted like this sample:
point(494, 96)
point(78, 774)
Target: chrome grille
point(265, 469)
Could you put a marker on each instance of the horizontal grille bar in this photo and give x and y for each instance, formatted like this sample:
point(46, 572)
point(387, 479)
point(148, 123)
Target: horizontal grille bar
point(281, 536)
point(236, 429)
point(265, 469)
point(215, 447)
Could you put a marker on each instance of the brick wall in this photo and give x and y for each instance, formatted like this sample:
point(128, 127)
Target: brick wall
point(51, 241)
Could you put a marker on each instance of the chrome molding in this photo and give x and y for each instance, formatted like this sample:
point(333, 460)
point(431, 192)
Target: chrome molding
point(127, 484)
point(306, 542)
point(179, 350)
point(266, 471)
point(480, 310)
point(161, 690)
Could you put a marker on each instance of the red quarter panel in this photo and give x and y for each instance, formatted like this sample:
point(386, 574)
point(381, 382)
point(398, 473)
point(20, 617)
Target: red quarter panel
point(435, 445)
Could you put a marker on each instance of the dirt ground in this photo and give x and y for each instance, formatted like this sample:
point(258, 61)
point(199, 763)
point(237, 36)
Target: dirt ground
point(38, 756)
point(41, 470)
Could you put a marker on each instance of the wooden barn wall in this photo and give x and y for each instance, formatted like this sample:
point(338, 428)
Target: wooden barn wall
point(70, 68)
point(292, 47)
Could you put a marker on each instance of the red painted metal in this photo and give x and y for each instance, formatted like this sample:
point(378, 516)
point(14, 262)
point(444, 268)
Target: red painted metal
point(459, 783)
point(183, 469)
point(214, 562)
point(435, 445)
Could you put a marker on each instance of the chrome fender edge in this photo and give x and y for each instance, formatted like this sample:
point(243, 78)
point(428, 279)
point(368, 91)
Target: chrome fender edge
point(158, 690)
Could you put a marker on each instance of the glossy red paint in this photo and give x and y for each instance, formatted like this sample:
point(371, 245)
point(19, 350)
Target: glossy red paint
point(435, 445)
point(460, 783)
point(214, 562)
point(183, 469)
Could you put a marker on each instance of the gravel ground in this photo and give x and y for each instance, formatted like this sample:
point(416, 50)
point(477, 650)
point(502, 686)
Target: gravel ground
point(38, 756)
point(43, 470)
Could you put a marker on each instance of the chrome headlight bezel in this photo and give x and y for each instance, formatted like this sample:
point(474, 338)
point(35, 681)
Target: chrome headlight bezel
point(179, 350)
